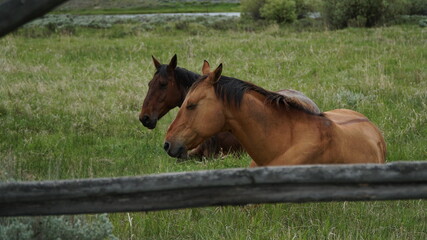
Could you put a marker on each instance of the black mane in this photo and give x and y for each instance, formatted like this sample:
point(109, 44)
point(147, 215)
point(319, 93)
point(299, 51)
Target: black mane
point(183, 76)
point(231, 91)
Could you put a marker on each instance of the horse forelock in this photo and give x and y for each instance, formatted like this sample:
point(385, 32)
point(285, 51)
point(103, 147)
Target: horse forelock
point(184, 77)
point(198, 81)
point(162, 70)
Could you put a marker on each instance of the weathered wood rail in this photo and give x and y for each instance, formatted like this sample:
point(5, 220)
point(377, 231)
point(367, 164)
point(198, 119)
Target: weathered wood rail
point(14, 13)
point(393, 181)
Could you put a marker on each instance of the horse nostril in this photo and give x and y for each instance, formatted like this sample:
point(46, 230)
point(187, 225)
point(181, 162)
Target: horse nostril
point(144, 118)
point(166, 146)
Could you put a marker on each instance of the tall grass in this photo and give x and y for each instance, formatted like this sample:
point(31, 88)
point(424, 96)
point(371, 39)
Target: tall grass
point(69, 106)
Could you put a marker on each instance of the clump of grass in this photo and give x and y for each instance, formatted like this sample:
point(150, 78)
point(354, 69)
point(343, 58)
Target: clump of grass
point(3, 110)
point(51, 228)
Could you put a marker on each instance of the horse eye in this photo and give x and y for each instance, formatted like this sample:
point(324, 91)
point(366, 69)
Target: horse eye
point(191, 106)
point(163, 85)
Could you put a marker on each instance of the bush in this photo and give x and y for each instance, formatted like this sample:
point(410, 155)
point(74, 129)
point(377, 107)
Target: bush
point(279, 10)
point(305, 7)
point(63, 227)
point(418, 7)
point(362, 13)
point(251, 8)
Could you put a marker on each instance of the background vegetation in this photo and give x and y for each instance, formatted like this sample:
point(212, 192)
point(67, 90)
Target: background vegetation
point(366, 13)
point(336, 13)
point(280, 10)
point(70, 95)
point(97, 227)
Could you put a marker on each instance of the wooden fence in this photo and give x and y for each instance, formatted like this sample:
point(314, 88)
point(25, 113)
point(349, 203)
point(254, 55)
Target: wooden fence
point(359, 182)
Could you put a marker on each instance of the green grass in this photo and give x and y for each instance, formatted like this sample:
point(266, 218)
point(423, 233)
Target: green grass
point(69, 107)
point(183, 7)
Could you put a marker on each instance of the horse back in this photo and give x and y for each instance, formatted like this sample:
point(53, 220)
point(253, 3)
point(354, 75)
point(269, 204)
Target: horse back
point(355, 137)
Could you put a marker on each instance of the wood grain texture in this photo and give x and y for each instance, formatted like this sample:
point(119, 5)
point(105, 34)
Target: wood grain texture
point(359, 182)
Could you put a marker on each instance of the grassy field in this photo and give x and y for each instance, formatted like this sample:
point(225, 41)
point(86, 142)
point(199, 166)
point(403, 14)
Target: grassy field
point(69, 109)
point(132, 7)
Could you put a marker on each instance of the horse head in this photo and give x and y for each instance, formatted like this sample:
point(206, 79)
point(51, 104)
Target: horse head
point(164, 93)
point(201, 115)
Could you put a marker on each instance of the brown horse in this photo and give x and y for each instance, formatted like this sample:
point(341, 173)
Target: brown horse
point(168, 89)
point(274, 129)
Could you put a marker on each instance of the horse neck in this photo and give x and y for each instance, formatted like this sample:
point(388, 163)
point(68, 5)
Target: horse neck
point(257, 125)
point(184, 79)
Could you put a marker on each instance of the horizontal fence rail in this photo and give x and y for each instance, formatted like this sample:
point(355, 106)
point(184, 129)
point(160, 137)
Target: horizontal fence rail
point(308, 183)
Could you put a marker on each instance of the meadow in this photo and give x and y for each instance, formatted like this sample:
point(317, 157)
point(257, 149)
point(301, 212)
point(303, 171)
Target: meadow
point(147, 6)
point(69, 105)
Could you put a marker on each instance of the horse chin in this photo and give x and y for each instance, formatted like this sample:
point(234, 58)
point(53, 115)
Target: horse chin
point(151, 126)
point(176, 151)
point(180, 149)
point(183, 156)
point(150, 123)
point(180, 154)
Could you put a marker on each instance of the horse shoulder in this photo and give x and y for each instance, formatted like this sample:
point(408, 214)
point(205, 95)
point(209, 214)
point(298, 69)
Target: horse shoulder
point(311, 141)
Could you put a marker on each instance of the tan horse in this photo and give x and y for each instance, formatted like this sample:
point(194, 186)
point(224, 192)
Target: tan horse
point(274, 129)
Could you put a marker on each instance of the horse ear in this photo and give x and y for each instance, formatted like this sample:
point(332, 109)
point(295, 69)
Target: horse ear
point(206, 69)
point(217, 74)
point(156, 63)
point(173, 63)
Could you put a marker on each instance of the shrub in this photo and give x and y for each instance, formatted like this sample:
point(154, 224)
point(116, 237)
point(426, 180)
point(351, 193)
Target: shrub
point(362, 13)
point(251, 8)
point(279, 10)
point(63, 227)
point(305, 7)
point(393, 9)
point(417, 7)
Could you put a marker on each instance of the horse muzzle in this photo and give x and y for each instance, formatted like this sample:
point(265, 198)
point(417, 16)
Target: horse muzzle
point(175, 150)
point(148, 122)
